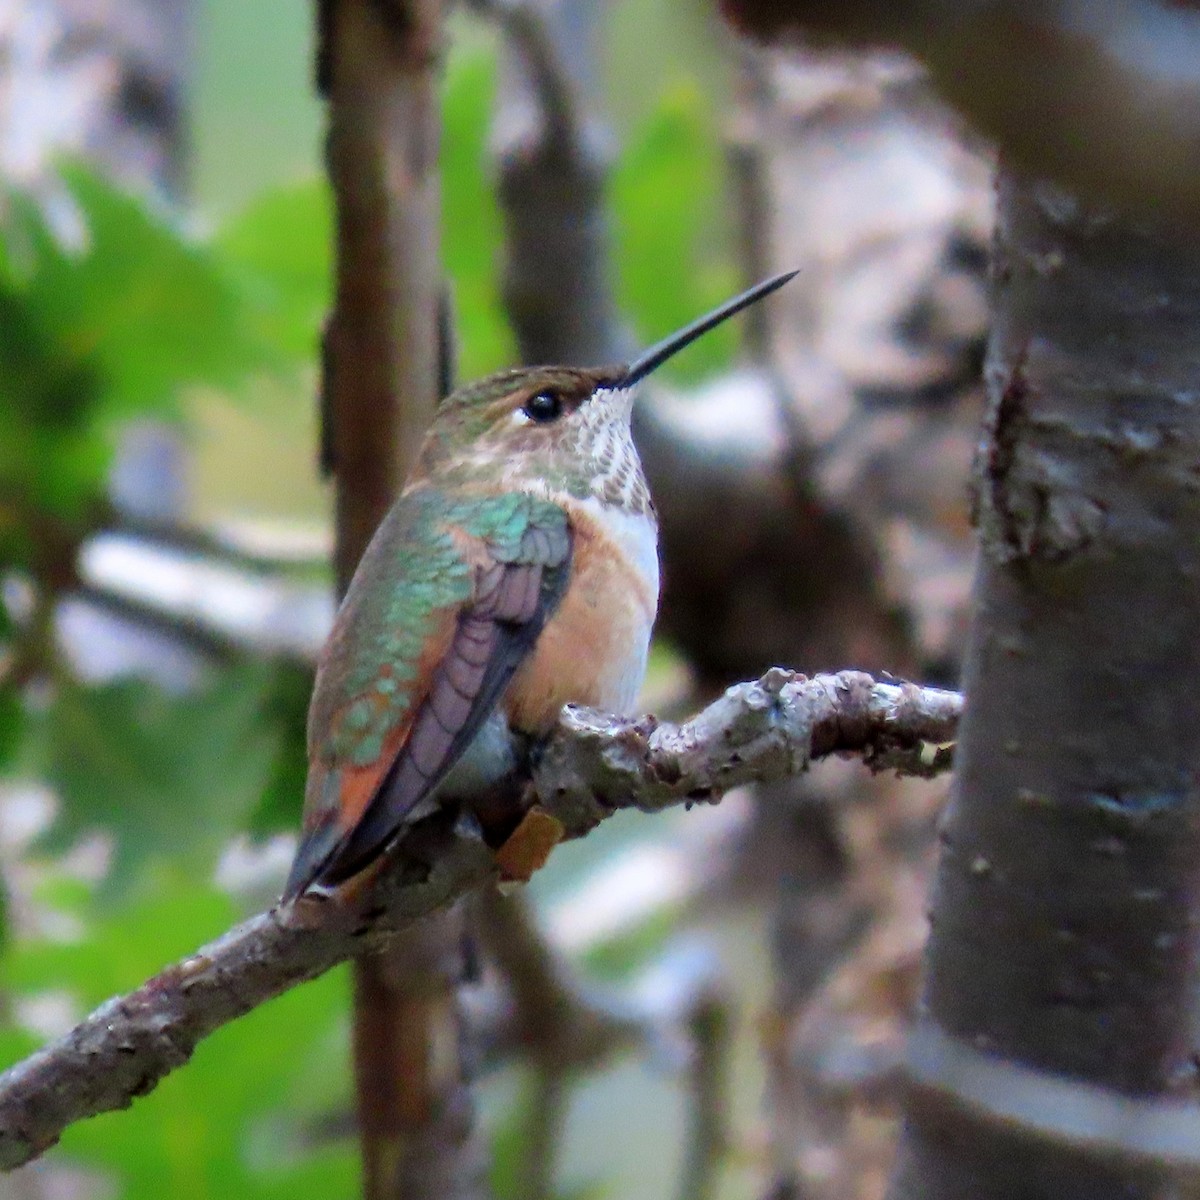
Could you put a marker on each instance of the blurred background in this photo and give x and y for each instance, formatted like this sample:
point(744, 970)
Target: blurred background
point(166, 264)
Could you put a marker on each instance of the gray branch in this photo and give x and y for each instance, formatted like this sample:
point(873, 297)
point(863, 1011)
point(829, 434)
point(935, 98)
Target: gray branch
point(593, 766)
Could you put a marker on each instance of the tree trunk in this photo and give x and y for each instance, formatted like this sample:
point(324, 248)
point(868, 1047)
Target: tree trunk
point(377, 66)
point(1055, 1055)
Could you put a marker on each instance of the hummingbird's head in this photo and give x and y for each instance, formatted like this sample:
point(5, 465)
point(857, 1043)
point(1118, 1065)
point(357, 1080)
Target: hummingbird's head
point(557, 430)
point(562, 430)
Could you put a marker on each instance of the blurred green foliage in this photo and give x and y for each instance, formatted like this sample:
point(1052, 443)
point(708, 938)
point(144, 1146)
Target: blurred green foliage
point(118, 327)
point(98, 333)
point(135, 762)
point(237, 1120)
point(282, 244)
point(664, 188)
point(471, 223)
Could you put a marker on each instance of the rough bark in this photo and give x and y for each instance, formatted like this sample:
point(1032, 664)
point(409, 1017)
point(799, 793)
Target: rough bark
point(1062, 963)
point(384, 363)
point(595, 765)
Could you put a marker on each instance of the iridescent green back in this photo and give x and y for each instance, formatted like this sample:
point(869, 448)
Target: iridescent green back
point(411, 577)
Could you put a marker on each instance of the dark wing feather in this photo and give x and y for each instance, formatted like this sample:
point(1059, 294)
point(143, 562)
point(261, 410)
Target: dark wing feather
point(512, 603)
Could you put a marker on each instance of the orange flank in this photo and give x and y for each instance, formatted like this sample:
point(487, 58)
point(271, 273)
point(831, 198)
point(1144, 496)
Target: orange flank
point(593, 649)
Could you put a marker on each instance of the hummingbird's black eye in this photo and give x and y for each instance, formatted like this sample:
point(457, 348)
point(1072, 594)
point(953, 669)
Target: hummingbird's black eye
point(544, 407)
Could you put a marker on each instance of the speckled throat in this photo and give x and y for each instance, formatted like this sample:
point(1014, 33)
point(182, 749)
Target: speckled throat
point(595, 458)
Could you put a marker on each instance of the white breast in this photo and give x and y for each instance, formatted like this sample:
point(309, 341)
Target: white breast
point(635, 534)
point(593, 648)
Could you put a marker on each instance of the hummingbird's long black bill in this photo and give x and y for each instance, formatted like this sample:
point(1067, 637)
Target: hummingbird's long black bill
point(659, 353)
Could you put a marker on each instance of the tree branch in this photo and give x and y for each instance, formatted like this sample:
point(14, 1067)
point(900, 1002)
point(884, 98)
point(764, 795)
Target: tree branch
point(552, 160)
point(593, 766)
point(1106, 99)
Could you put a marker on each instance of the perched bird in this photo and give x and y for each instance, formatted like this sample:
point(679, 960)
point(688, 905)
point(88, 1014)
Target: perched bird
point(516, 573)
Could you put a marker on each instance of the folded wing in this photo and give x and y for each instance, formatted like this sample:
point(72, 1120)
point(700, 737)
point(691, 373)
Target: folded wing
point(517, 554)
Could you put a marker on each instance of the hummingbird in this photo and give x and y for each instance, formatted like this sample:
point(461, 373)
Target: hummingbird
point(516, 573)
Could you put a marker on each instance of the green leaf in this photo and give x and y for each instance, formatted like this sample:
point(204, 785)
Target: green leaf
point(12, 712)
point(15, 1044)
point(232, 1121)
point(170, 777)
point(620, 957)
point(282, 246)
point(671, 259)
point(54, 445)
point(98, 333)
point(144, 306)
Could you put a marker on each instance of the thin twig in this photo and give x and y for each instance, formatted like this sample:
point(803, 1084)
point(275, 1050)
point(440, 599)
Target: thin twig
point(554, 1020)
point(229, 547)
point(593, 766)
point(565, 1028)
point(196, 634)
point(546, 1119)
point(748, 177)
point(551, 1024)
point(708, 1137)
